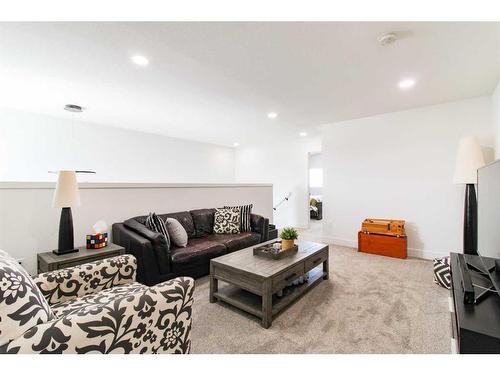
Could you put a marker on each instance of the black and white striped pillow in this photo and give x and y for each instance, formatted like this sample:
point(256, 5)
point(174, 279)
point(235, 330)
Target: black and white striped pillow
point(245, 211)
point(156, 224)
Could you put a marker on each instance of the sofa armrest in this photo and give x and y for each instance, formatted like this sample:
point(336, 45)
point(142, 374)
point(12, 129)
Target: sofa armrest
point(70, 283)
point(160, 247)
point(260, 225)
point(155, 320)
point(144, 231)
point(148, 270)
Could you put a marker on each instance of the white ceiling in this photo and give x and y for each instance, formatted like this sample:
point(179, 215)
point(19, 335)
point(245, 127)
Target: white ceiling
point(215, 82)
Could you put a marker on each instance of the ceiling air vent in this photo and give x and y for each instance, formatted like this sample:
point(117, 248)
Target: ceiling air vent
point(73, 108)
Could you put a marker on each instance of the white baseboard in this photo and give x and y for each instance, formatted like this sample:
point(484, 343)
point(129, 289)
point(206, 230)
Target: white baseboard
point(414, 253)
point(340, 241)
point(426, 254)
point(454, 346)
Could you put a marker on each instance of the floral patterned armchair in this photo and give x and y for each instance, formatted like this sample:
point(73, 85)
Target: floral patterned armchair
point(93, 308)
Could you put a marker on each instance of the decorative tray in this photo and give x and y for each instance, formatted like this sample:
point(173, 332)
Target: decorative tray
point(267, 251)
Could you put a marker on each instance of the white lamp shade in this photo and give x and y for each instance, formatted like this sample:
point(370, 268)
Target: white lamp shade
point(469, 159)
point(66, 194)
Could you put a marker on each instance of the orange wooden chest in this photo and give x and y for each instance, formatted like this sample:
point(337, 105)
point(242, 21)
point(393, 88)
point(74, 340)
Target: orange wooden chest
point(382, 245)
point(389, 227)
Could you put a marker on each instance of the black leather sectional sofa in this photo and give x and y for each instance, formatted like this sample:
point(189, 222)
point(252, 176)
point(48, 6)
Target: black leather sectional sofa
point(157, 263)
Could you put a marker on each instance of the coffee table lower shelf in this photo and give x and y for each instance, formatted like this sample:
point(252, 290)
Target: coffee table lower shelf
point(252, 303)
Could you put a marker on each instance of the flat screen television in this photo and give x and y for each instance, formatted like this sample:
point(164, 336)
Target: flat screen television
point(488, 210)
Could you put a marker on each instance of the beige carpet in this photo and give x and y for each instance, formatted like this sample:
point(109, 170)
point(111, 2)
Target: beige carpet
point(371, 304)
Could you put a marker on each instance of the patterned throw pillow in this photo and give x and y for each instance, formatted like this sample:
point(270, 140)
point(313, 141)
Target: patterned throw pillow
point(245, 212)
point(442, 274)
point(22, 305)
point(156, 224)
point(227, 220)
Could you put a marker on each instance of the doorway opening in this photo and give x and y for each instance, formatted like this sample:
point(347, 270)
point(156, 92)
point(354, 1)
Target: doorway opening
point(315, 190)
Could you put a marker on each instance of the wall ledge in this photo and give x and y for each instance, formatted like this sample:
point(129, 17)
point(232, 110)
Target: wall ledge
point(14, 185)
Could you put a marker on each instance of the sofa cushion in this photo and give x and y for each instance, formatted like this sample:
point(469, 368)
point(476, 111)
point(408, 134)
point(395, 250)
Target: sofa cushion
point(177, 232)
point(22, 304)
point(235, 242)
point(203, 221)
point(227, 220)
point(198, 250)
point(185, 219)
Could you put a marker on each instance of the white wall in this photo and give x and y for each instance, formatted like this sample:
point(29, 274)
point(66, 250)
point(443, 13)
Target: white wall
point(284, 163)
point(495, 98)
point(32, 144)
point(29, 224)
point(316, 160)
point(400, 165)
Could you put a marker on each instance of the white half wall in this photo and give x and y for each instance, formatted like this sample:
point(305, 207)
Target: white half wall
point(32, 144)
point(29, 224)
point(495, 99)
point(400, 165)
point(284, 164)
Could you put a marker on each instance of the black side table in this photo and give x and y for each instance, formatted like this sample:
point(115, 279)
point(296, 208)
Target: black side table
point(49, 261)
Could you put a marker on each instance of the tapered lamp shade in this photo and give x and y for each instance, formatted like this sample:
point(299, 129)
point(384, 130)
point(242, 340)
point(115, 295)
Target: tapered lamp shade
point(66, 194)
point(469, 159)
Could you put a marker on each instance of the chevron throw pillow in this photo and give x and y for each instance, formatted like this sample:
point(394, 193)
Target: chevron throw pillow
point(442, 273)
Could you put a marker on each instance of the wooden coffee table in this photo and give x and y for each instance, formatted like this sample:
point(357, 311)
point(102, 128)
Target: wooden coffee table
point(252, 281)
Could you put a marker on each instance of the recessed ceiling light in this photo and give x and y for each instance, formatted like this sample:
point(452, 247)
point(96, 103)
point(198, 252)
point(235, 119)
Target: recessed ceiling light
point(140, 60)
point(406, 83)
point(272, 115)
point(236, 144)
point(303, 134)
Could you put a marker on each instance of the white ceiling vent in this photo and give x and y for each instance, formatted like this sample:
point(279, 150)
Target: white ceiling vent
point(73, 108)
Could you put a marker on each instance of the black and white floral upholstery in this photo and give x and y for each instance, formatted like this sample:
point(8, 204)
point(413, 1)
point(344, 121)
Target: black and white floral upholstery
point(70, 283)
point(227, 220)
point(22, 305)
point(97, 308)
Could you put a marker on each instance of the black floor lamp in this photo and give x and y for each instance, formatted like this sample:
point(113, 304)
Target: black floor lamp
point(469, 159)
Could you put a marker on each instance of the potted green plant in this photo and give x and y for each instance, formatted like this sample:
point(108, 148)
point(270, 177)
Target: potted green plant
point(288, 235)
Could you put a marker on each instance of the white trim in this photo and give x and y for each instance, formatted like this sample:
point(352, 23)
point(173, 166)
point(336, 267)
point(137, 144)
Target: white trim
point(454, 347)
point(426, 254)
point(125, 185)
point(451, 307)
point(414, 253)
point(340, 241)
